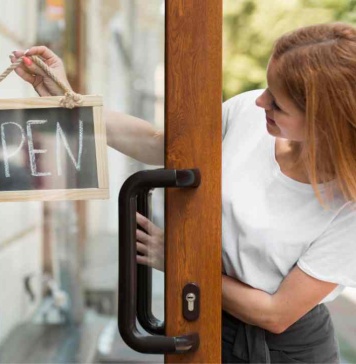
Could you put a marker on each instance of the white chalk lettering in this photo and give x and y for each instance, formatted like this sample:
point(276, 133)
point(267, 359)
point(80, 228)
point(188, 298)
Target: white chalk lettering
point(60, 135)
point(32, 152)
point(4, 145)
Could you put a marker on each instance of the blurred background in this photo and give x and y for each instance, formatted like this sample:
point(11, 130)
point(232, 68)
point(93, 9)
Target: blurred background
point(58, 260)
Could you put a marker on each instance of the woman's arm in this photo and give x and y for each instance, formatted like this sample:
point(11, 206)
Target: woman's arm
point(296, 296)
point(132, 136)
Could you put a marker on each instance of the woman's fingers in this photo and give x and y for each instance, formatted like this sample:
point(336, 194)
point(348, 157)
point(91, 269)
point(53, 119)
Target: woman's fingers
point(48, 56)
point(28, 66)
point(18, 54)
point(143, 221)
point(35, 80)
point(142, 248)
point(142, 259)
point(28, 77)
point(23, 71)
point(151, 259)
point(43, 84)
point(150, 245)
point(147, 225)
point(33, 68)
point(43, 52)
point(142, 236)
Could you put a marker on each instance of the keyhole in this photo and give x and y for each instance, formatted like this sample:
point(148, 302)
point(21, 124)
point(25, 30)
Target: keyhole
point(190, 298)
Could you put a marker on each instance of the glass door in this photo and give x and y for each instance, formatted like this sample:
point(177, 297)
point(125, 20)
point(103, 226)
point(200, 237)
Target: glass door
point(59, 260)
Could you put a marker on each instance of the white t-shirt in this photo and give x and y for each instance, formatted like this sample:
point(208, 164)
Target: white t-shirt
point(272, 222)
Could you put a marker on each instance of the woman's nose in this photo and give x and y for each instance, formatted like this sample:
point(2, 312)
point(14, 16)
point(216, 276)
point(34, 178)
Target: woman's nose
point(263, 101)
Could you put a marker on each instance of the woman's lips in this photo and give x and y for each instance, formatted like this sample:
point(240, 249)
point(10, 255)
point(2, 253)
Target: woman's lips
point(270, 121)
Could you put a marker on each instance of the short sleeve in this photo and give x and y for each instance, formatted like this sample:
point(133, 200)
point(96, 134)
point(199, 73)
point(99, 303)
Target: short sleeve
point(332, 256)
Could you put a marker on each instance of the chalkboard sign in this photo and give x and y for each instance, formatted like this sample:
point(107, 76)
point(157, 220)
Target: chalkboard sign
point(52, 153)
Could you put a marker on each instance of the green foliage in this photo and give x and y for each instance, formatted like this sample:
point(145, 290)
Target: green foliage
point(252, 26)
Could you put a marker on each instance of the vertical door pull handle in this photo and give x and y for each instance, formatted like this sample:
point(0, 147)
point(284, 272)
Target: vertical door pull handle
point(144, 278)
point(143, 180)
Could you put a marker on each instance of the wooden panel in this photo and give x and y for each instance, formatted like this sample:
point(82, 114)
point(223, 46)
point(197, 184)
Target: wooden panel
point(193, 140)
point(101, 148)
point(55, 195)
point(45, 102)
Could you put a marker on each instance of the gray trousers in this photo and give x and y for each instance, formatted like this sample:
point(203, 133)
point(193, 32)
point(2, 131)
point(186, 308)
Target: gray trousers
point(309, 340)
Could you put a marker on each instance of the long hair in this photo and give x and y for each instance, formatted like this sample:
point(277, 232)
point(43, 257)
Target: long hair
point(317, 68)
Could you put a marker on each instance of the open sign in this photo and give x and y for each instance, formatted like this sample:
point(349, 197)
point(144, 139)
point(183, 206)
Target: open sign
point(52, 153)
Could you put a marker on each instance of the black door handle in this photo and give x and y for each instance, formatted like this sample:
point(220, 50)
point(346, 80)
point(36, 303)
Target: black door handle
point(144, 278)
point(135, 184)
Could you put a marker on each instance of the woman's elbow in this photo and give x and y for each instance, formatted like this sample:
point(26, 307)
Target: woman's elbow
point(277, 324)
point(276, 328)
point(158, 147)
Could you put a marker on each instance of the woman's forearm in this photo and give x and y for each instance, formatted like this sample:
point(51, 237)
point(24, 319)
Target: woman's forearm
point(248, 304)
point(297, 294)
point(134, 137)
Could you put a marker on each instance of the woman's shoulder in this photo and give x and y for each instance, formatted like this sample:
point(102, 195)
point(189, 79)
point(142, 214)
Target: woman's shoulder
point(347, 213)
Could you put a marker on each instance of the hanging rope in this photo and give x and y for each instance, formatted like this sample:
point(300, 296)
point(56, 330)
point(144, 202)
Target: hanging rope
point(70, 99)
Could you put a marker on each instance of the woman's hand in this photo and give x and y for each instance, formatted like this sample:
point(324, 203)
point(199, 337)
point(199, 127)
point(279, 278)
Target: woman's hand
point(150, 243)
point(34, 75)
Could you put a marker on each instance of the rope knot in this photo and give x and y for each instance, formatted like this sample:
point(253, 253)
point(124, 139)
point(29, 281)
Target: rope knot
point(71, 100)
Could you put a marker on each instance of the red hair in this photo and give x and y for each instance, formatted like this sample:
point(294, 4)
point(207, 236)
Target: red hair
point(317, 68)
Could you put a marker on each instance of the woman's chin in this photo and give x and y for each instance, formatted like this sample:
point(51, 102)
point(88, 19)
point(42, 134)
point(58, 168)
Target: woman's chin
point(273, 130)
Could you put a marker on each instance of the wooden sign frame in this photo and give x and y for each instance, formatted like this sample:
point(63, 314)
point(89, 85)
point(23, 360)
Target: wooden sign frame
point(102, 192)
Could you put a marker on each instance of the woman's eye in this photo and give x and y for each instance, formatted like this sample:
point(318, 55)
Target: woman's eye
point(275, 106)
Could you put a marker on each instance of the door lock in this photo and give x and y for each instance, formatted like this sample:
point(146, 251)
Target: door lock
point(190, 297)
point(191, 301)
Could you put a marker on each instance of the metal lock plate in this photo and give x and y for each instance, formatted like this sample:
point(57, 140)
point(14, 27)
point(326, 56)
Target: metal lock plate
point(191, 301)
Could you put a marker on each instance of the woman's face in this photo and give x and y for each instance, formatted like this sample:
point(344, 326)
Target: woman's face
point(284, 118)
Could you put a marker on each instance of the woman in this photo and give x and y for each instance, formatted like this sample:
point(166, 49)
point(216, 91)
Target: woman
point(289, 192)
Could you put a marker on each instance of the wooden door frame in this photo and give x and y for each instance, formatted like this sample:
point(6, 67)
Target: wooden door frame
point(193, 107)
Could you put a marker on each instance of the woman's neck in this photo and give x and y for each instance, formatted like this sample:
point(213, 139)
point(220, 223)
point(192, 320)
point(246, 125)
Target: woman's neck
point(288, 156)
